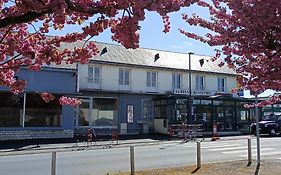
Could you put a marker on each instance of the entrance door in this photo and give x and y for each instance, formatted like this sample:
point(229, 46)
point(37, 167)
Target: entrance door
point(229, 118)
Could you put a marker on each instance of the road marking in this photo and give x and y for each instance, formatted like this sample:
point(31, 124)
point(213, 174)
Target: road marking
point(230, 148)
point(245, 151)
point(264, 154)
point(220, 146)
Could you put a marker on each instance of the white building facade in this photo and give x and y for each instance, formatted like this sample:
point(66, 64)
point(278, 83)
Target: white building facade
point(134, 92)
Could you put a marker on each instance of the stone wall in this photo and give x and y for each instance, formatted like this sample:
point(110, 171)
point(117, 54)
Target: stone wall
point(35, 134)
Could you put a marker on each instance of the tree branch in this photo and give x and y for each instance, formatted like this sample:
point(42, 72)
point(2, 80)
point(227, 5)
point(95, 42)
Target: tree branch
point(27, 17)
point(7, 32)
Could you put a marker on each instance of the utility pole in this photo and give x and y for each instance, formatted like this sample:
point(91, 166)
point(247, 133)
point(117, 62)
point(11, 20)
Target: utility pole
point(257, 130)
point(190, 94)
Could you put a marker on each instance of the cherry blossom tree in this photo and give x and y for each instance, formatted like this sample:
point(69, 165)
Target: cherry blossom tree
point(249, 35)
point(19, 46)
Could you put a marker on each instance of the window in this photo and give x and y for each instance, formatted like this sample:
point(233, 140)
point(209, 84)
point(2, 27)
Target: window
point(94, 75)
point(124, 77)
point(11, 106)
point(200, 83)
point(41, 114)
point(105, 112)
point(177, 81)
point(151, 79)
point(147, 109)
point(221, 84)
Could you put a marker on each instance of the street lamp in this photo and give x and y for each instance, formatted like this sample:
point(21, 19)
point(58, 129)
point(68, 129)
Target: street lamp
point(190, 99)
point(257, 129)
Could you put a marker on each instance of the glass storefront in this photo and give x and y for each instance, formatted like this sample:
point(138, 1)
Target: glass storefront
point(38, 113)
point(98, 112)
point(228, 113)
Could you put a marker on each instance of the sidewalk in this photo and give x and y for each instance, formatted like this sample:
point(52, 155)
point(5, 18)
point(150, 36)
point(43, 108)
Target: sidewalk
point(103, 144)
point(267, 167)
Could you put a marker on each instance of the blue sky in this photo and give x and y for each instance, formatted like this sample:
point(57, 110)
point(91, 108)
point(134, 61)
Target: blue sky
point(151, 35)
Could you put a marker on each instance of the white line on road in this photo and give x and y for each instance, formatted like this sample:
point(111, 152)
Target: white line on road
point(264, 154)
point(220, 146)
point(245, 151)
point(230, 148)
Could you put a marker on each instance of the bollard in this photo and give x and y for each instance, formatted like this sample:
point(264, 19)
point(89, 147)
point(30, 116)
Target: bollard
point(132, 160)
point(198, 155)
point(249, 152)
point(53, 170)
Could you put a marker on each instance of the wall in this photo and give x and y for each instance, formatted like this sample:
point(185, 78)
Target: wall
point(136, 101)
point(110, 77)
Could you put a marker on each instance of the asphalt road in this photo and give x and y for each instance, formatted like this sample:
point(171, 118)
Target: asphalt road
point(96, 162)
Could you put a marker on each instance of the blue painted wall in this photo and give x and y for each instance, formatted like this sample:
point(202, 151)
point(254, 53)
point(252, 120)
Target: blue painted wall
point(136, 100)
point(56, 81)
point(50, 80)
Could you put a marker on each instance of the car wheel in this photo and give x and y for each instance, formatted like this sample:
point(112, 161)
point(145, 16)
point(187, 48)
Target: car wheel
point(272, 132)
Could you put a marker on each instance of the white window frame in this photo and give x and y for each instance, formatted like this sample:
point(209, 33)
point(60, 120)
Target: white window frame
point(221, 84)
point(94, 78)
point(124, 78)
point(177, 81)
point(200, 83)
point(151, 81)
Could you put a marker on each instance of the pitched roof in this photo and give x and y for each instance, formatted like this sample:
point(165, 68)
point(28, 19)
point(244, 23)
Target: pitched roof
point(145, 57)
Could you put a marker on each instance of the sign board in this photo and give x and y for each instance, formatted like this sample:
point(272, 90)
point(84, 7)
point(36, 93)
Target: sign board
point(130, 114)
point(193, 92)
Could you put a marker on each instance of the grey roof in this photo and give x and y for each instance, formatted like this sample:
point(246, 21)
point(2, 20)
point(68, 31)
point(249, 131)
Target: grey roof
point(145, 57)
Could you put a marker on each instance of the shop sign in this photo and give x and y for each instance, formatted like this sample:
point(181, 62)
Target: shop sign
point(194, 92)
point(130, 114)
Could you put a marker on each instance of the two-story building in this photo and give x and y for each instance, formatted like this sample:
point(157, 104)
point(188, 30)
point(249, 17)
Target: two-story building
point(146, 90)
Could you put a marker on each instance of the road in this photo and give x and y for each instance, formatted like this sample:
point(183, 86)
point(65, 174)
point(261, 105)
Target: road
point(96, 162)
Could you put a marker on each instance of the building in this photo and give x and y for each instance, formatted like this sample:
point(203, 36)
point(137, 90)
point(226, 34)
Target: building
point(139, 91)
point(145, 90)
point(27, 116)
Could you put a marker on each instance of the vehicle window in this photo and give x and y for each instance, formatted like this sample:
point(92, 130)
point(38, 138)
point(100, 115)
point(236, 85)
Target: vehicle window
point(279, 118)
point(270, 118)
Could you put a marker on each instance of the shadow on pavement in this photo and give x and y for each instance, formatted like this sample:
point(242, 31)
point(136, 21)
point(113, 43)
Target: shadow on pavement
point(257, 169)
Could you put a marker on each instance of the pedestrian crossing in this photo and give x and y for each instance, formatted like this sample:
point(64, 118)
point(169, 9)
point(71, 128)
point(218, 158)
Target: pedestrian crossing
point(230, 148)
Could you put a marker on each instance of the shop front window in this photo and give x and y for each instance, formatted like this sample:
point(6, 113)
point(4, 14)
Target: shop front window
point(104, 112)
point(38, 113)
point(10, 110)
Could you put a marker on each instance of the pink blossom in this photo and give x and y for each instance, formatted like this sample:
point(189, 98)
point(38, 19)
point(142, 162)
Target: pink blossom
point(47, 97)
point(69, 101)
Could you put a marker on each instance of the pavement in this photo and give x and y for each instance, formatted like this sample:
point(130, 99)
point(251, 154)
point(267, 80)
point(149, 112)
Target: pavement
point(17, 148)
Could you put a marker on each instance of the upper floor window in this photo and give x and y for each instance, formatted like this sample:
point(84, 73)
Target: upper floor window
point(177, 81)
point(151, 78)
point(124, 77)
point(200, 83)
point(221, 84)
point(94, 74)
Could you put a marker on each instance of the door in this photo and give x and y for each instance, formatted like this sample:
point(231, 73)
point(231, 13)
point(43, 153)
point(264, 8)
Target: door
point(229, 119)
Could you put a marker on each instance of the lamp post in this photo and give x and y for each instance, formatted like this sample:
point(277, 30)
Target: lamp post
point(257, 130)
point(189, 77)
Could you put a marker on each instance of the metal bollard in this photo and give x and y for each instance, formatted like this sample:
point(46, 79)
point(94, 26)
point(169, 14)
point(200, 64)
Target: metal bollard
point(132, 160)
point(198, 155)
point(249, 152)
point(53, 170)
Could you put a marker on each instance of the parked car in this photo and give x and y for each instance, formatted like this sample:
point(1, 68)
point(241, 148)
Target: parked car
point(271, 124)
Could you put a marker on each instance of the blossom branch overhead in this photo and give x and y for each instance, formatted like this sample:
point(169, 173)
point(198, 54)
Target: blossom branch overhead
point(93, 16)
point(249, 35)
